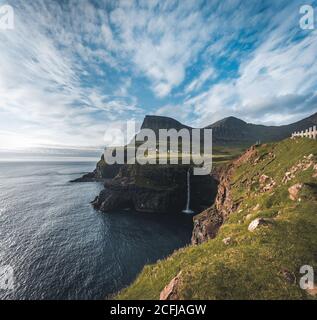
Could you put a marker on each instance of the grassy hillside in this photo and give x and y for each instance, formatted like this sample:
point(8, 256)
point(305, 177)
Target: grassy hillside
point(265, 263)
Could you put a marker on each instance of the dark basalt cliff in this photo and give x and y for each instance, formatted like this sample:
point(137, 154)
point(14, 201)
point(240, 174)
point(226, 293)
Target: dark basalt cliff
point(102, 172)
point(155, 189)
point(158, 122)
point(162, 188)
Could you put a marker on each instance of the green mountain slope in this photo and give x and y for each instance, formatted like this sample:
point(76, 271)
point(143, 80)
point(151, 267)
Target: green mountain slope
point(259, 264)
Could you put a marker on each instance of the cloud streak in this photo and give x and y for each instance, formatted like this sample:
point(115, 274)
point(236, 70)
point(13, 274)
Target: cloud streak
point(69, 71)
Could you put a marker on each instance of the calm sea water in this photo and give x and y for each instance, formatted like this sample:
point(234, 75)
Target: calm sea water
point(60, 248)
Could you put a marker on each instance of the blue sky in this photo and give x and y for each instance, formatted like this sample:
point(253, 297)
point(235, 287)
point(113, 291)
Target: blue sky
point(71, 70)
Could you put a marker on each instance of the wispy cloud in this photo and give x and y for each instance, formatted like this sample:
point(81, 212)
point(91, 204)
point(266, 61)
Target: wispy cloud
point(69, 71)
point(198, 82)
point(275, 84)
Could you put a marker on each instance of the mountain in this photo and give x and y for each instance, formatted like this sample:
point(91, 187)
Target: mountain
point(159, 122)
point(234, 131)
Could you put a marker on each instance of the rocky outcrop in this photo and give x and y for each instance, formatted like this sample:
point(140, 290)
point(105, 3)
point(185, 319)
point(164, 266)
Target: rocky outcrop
point(255, 224)
point(294, 191)
point(207, 223)
point(266, 183)
point(170, 292)
point(302, 165)
point(155, 189)
point(103, 171)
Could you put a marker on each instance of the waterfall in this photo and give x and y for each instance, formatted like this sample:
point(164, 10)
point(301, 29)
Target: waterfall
point(187, 210)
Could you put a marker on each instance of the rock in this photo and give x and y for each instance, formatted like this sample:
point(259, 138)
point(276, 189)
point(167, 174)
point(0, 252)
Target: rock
point(302, 165)
point(227, 241)
point(266, 183)
point(263, 179)
point(294, 191)
point(102, 172)
point(170, 292)
point(257, 207)
point(206, 225)
point(288, 276)
point(155, 189)
point(249, 216)
point(258, 222)
point(89, 177)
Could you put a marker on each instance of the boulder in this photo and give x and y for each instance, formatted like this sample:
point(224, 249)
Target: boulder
point(294, 191)
point(227, 241)
point(170, 292)
point(258, 222)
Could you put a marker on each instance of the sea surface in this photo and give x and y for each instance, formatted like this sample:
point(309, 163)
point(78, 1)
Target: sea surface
point(60, 248)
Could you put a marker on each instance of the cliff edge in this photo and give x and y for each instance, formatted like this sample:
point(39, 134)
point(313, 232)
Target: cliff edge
point(259, 233)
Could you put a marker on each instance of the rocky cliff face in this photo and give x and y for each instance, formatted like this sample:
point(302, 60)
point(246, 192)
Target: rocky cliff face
point(155, 188)
point(103, 171)
point(266, 207)
point(207, 223)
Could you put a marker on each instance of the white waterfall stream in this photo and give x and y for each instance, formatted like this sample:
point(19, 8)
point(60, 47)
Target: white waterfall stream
point(187, 210)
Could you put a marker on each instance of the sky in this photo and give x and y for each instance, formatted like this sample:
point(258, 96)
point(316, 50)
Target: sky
point(73, 72)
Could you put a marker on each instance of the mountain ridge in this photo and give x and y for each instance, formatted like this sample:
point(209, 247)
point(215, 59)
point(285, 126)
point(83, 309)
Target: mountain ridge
point(232, 130)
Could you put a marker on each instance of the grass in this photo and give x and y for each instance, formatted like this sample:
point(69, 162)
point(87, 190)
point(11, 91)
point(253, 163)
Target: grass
point(251, 267)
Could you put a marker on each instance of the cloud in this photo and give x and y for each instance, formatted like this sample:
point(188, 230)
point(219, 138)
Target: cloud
point(198, 82)
point(276, 84)
point(43, 91)
point(180, 112)
point(161, 39)
point(70, 71)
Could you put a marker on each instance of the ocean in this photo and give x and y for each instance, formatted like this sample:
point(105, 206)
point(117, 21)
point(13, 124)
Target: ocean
point(59, 247)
